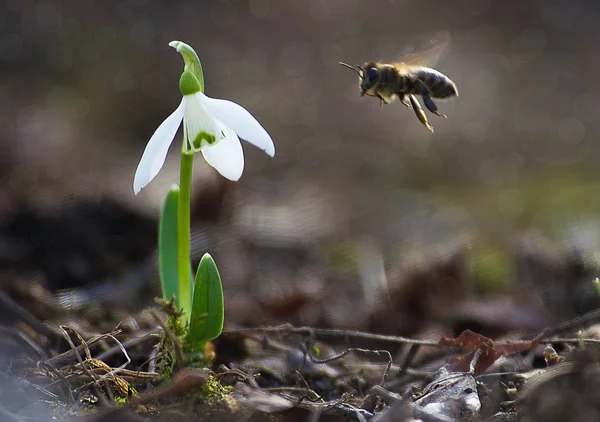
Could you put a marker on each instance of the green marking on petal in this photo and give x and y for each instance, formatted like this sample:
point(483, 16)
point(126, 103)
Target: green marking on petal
point(191, 61)
point(189, 84)
point(203, 136)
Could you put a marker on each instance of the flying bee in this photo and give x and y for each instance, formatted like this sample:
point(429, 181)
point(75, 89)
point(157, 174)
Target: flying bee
point(406, 80)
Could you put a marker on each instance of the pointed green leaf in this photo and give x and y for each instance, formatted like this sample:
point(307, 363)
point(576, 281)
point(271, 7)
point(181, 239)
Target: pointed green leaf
point(206, 322)
point(167, 246)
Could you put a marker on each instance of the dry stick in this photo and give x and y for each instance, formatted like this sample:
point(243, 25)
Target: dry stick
point(570, 341)
point(286, 328)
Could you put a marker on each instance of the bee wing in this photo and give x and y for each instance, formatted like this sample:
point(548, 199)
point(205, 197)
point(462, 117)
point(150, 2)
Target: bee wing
point(429, 55)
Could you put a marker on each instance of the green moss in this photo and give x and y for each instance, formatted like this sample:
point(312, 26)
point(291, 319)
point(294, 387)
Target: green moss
point(214, 391)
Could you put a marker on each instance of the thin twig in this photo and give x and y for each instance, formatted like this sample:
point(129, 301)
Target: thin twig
point(288, 329)
point(570, 340)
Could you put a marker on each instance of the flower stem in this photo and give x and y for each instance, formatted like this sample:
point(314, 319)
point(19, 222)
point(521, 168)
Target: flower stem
point(183, 235)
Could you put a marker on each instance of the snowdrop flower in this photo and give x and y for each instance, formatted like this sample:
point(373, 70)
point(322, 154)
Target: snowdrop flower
point(210, 125)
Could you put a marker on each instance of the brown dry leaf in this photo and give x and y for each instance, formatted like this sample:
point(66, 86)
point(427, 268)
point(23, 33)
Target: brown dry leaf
point(470, 342)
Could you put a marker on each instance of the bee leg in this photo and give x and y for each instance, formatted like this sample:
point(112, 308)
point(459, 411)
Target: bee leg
point(419, 112)
point(381, 101)
point(426, 94)
point(402, 98)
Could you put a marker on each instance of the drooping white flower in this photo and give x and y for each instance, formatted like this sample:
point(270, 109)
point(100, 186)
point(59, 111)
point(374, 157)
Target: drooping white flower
point(210, 125)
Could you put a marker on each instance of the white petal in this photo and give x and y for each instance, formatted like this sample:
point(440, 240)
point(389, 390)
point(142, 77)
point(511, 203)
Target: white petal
point(226, 156)
point(197, 120)
point(241, 121)
point(156, 150)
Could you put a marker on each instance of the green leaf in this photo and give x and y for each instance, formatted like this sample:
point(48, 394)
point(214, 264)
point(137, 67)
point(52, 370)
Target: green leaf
point(167, 246)
point(206, 322)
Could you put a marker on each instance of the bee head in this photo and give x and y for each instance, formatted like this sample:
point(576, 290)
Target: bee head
point(368, 74)
point(370, 77)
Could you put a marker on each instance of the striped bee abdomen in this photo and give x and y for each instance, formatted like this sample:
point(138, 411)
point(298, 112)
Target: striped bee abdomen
point(439, 85)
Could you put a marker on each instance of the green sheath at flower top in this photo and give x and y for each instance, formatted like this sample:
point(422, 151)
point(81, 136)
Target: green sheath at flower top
point(191, 60)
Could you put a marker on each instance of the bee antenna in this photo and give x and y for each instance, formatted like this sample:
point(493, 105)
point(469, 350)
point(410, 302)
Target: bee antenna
point(357, 70)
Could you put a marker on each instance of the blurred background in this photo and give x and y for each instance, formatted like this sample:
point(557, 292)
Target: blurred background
point(363, 218)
